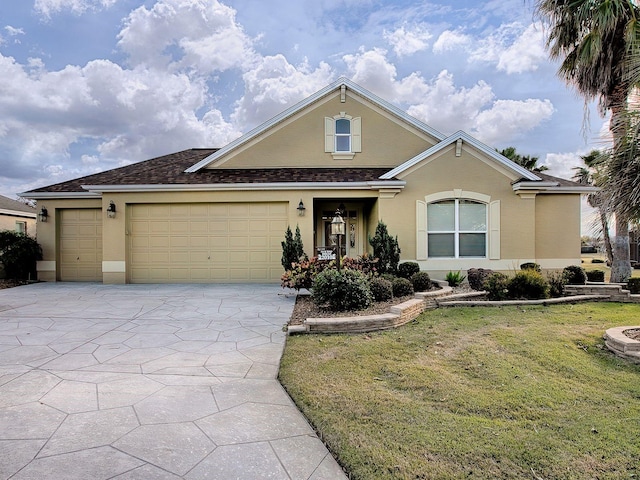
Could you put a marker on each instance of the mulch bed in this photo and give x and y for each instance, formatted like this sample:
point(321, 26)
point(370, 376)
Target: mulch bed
point(633, 333)
point(11, 283)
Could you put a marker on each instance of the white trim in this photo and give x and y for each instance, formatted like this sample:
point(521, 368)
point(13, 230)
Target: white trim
point(552, 187)
point(491, 153)
point(457, 193)
point(505, 264)
point(373, 185)
point(46, 266)
point(59, 195)
point(114, 266)
point(18, 213)
point(335, 86)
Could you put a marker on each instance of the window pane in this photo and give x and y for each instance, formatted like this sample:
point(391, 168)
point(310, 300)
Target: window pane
point(343, 126)
point(441, 245)
point(473, 216)
point(440, 216)
point(473, 245)
point(342, 144)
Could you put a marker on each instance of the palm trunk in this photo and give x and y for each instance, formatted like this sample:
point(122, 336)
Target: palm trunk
point(605, 234)
point(621, 265)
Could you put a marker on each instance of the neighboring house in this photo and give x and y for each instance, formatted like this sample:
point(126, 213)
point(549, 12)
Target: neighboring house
point(17, 216)
point(219, 215)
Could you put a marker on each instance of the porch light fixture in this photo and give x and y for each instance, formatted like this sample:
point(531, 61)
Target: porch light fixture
point(43, 215)
point(338, 228)
point(301, 209)
point(111, 210)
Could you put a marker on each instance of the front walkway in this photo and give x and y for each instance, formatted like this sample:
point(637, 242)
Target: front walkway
point(149, 382)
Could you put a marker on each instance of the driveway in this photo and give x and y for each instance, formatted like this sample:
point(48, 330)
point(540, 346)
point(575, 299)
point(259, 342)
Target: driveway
point(149, 382)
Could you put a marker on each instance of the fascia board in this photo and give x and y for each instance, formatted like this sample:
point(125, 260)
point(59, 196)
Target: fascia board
point(552, 187)
point(58, 195)
point(302, 186)
point(465, 137)
point(17, 213)
point(304, 104)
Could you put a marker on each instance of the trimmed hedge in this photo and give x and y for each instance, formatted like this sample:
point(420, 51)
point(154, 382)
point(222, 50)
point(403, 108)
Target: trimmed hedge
point(341, 290)
point(381, 289)
point(401, 287)
point(421, 281)
point(528, 284)
point(408, 269)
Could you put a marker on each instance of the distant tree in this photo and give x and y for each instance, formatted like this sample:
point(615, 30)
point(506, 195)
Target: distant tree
point(592, 173)
point(526, 161)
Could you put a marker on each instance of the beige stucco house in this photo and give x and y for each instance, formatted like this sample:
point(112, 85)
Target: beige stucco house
point(219, 215)
point(17, 216)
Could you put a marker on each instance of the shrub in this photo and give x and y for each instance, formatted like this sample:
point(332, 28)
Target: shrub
point(301, 274)
point(477, 276)
point(531, 266)
point(385, 249)
point(595, 275)
point(381, 289)
point(401, 287)
point(407, 269)
point(19, 254)
point(365, 264)
point(341, 290)
point(633, 284)
point(497, 286)
point(421, 281)
point(454, 278)
point(556, 281)
point(528, 284)
point(574, 275)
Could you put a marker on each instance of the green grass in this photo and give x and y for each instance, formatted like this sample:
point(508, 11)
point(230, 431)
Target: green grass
point(505, 393)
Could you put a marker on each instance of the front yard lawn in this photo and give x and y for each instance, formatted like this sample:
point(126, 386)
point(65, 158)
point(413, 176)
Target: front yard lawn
point(504, 393)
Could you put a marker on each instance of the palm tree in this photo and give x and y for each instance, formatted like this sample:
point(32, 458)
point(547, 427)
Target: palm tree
point(594, 39)
point(526, 161)
point(592, 174)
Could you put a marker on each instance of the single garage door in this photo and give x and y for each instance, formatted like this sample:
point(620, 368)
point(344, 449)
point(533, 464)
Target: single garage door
point(206, 242)
point(80, 241)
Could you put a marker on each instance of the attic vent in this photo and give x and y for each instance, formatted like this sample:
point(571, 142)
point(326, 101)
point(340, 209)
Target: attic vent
point(343, 94)
point(458, 147)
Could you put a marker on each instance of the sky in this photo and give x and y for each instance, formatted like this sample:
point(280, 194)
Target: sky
point(89, 85)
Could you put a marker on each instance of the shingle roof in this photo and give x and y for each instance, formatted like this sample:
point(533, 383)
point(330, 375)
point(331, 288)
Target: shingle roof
point(170, 170)
point(9, 204)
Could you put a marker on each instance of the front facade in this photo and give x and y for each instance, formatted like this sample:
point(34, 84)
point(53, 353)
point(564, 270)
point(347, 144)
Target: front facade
point(219, 215)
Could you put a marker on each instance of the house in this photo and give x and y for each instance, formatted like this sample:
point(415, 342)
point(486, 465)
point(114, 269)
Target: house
point(219, 215)
point(17, 216)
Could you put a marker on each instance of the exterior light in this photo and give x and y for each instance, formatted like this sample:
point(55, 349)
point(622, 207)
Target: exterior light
point(111, 210)
point(337, 228)
point(301, 209)
point(43, 215)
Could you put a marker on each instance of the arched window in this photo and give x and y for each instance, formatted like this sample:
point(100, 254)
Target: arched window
point(457, 228)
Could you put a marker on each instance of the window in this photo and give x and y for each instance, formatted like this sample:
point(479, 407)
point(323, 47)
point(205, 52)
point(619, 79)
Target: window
point(343, 136)
point(457, 228)
point(21, 227)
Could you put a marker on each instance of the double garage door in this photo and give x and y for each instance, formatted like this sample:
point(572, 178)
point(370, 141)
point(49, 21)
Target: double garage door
point(206, 242)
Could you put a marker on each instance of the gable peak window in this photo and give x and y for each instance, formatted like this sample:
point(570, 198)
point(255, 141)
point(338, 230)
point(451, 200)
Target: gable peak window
point(343, 136)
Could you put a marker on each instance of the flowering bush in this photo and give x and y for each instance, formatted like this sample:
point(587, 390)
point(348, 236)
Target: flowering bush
point(302, 274)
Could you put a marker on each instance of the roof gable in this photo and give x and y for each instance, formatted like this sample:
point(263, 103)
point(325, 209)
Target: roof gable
point(493, 156)
point(306, 104)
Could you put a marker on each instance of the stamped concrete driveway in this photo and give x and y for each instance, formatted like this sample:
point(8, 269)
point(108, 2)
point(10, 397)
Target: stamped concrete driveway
point(149, 382)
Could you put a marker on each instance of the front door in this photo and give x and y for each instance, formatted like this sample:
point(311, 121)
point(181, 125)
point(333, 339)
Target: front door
point(352, 242)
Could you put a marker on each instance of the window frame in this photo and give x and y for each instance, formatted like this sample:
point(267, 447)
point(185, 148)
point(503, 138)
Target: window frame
point(354, 136)
point(456, 232)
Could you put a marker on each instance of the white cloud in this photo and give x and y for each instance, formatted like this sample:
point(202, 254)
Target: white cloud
point(451, 40)
point(13, 31)
point(408, 40)
point(183, 34)
point(444, 105)
point(49, 7)
point(512, 47)
point(562, 164)
point(274, 85)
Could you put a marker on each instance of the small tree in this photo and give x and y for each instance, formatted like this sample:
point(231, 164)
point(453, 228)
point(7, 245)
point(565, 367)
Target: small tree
point(289, 251)
point(386, 249)
point(298, 246)
point(18, 255)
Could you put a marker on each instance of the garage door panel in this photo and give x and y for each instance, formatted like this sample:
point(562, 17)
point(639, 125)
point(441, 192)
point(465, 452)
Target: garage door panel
point(206, 242)
point(80, 245)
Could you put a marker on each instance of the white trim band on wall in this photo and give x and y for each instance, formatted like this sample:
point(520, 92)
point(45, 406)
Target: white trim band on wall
point(114, 266)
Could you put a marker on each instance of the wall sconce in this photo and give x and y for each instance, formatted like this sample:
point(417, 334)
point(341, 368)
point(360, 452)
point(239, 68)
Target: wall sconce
point(111, 210)
point(43, 215)
point(301, 209)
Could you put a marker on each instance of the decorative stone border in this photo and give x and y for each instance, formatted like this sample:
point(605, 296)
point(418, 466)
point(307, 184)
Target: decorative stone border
point(621, 345)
